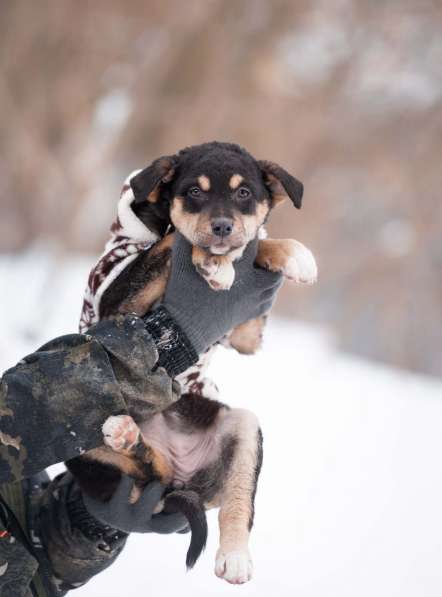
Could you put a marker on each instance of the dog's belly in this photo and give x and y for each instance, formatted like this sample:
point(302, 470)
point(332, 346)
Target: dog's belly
point(186, 453)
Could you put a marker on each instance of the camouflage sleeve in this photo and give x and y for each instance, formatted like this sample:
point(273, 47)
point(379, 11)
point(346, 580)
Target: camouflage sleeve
point(55, 401)
point(74, 548)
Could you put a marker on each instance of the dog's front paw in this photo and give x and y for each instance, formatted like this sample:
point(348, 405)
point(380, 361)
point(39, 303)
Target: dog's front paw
point(235, 567)
point(120, 433)
point(223, 278)
point(301, 265)
point(219, 276)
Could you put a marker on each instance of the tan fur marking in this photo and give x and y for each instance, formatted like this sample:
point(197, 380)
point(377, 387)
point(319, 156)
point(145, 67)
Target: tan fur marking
point(146, 297)
point(199, 256)
point(127, 464)
point(236, 500)
point(274, 254)
point(134, 454)
point(235, 181)
point(278, 199)
point(247, 337)
point(154, 195)
point(168, 171)
point(276, 189)
point(198, 230)
point(253, 222)
point(167, 177)
point(160, 466)
point(164, 243)
point(124, 463)
point(204, 182)
point(141, 302)
point(184, 222)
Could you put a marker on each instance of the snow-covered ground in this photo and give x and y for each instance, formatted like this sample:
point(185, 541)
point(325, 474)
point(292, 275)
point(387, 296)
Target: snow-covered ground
point(349, 501)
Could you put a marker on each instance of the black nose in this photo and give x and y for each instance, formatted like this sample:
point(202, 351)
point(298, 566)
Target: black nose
point(222, 226)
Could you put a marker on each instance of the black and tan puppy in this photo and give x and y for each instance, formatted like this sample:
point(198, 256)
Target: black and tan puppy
point(219, 197)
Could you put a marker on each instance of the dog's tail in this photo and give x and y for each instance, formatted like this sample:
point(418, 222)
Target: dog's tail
point(189, 504)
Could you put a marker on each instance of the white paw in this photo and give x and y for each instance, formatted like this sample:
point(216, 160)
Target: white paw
point(208, 269)
point(120, 432)
point(301, 266)
point(223, 278)
point(235, 567)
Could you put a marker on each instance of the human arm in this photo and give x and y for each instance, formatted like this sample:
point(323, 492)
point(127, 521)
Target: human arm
point(77, 546)
point(54, 402)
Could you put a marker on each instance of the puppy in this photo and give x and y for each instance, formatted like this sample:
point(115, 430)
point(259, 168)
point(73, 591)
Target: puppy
point(219, 197)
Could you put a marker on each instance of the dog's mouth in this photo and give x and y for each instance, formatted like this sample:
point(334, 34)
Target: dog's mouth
point(213, 244)
point(221, 247)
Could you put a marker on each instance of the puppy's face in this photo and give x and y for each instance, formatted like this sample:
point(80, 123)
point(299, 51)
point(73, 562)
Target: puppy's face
point(218, 196)
point(219, 201)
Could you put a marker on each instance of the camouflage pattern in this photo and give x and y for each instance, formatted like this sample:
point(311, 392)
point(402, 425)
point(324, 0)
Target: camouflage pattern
point(17, 566)
point(55, 401)
point(66, 558)
point(52, 407)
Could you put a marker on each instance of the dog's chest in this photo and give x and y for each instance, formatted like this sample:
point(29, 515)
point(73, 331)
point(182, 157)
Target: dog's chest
point(187, 452)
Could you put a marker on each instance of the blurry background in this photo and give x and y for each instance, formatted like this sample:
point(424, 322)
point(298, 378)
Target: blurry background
point(347, 95)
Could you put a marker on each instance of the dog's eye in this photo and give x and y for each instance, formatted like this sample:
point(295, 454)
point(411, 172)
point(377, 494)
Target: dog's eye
point(194, 191)
point(243, 193)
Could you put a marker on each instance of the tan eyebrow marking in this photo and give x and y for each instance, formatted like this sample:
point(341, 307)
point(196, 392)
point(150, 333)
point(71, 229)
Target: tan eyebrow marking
point(235, 181)
point(204, 182)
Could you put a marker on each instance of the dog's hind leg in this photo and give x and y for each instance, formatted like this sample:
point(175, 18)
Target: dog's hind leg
point(246, 338)
point(123, 436)
point(233, 562)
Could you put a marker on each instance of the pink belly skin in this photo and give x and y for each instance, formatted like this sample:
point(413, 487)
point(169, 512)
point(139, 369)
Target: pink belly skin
point(186, 453)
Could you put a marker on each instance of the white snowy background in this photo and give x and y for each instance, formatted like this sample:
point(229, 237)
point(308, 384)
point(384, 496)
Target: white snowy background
point(349, 500)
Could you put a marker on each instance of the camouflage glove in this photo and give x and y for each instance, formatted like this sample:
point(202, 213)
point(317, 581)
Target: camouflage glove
point(120, 514)
point(206, 315)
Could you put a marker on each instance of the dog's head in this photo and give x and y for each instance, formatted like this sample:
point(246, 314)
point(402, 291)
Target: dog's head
point(216, 194)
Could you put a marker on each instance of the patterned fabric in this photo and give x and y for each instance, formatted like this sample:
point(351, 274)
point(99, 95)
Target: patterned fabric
point(129, 236)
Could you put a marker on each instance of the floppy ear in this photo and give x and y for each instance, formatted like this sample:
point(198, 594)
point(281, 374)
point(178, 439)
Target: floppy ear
point(281, 184)
point(146, 184)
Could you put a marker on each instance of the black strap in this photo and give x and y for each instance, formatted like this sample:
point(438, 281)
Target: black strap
point(12, 525)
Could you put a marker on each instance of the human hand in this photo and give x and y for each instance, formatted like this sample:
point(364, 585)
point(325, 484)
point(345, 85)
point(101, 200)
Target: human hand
point(206, 315)
point(120, 514)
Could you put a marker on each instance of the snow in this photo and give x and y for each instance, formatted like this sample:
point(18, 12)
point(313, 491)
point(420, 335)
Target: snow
point(349, 497)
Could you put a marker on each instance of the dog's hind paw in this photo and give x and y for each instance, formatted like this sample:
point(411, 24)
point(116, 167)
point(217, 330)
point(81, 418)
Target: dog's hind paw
point(235, 567)
point(120, 433)
point(301, 265)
